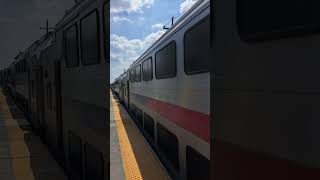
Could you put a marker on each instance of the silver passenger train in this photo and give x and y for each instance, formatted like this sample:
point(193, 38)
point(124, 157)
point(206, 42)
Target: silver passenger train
point(266, 90)
point(167, 92)
point(60, 82)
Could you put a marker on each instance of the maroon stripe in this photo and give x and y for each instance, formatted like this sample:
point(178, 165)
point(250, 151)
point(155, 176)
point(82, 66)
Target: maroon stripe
point(231, 162)
point(195, 122)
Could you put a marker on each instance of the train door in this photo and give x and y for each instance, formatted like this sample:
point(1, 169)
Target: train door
point(57, 82)
point(40, 100)
point(128, 94)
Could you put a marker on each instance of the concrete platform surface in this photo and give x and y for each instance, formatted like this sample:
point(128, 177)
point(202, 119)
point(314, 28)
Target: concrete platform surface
point(131, 157)
point(22, 154)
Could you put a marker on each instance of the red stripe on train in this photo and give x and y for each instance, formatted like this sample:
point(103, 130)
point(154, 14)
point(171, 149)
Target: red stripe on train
point(195, 122)
point(231, 162)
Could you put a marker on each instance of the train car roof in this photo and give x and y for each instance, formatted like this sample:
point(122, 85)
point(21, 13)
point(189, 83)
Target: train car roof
point(188, 15)
point(200, 5)
point(44, 42)
point(73, 12)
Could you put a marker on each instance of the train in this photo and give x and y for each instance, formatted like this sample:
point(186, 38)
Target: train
point(265, 91)
point(167, 92)
point(60, 82)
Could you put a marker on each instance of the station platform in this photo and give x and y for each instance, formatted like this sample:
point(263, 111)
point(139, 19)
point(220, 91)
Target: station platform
point(22, 154)
point(131, 157)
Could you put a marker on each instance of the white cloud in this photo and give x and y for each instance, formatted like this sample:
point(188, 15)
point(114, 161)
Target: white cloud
point(129, 6)
point(141, 18)
point(124, 51)
point(186, 5)
point(157, 26)
point(120, 19)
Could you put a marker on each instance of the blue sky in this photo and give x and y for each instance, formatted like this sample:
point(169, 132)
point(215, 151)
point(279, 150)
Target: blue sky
point(135, 25)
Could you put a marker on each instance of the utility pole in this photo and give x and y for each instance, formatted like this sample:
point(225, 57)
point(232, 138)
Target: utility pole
point(47, 28)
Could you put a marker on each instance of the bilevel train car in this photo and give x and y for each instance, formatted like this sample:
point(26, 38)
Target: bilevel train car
point(20, 78)
point(167, 92)
point(61, 80)
point(266, 118)
point(117, 86)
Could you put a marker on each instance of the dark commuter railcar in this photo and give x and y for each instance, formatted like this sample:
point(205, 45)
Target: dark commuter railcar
point(62, 82)
point(266, 90)
point(82, 40)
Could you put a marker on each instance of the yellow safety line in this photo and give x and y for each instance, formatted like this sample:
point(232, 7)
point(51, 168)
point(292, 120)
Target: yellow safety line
point(139, 162)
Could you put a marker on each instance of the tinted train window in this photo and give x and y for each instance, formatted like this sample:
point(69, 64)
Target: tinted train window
point(94, 163)
point(90, 39)
point(140, 116)
point(72, 59)
point(60, 45)
point(271, 19)
point(106, 21)
point(50, 96)
point(48, 105)
point(197, 47)
point(24, 65)
point(147, 70)
point(75, 155)
point(166, 61)
point(168, 144)
point(133, 111)
point(32, 88)
point(138, 73)
point(132, 75)
point(198, 166)
point(148, 125)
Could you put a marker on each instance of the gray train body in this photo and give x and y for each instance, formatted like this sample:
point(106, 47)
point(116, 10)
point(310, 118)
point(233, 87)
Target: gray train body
point(167, 92)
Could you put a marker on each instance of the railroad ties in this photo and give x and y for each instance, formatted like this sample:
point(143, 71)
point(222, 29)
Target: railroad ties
point(22, 154)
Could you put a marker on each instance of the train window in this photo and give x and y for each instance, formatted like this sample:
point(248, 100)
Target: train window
point(90, 39)
point(32, 88)
point(133, 112)
point(72, 59)
point(50, 96)
point(75, 155)
point(139, 115)
point(168, 143)
point(138, 73)
point(106, 21)
point(24, 65)
point(94, 163)
point(60, 44)
point(148, 125)
point(197, 47)
point(271, 19)
point(198, 166)
point(132, 75)
point(166, 61)
point(147, 70)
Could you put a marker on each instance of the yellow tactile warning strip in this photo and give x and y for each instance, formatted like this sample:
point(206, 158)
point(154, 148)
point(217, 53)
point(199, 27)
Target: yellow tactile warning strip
point(138, 159)
point(22, 154)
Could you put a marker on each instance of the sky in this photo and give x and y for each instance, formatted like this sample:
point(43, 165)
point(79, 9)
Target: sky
point(20, 22)
point(135, 25)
